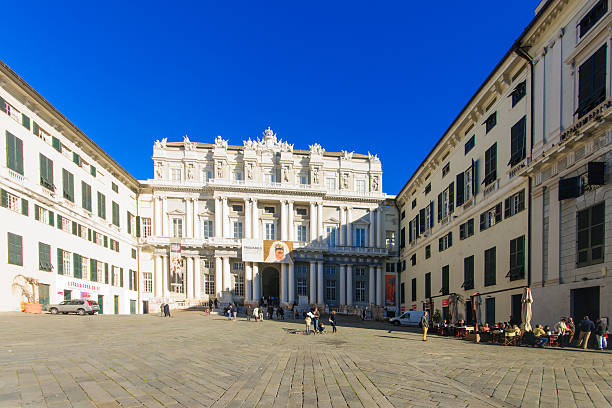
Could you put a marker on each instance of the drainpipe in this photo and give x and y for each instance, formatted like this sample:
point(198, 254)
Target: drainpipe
point(521, 52)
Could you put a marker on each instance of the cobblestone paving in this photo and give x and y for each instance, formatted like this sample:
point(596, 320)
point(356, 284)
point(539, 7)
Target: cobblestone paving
point(191, 361)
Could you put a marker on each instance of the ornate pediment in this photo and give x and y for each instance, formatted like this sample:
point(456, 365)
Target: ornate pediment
point(176, 212)
point(269, 143)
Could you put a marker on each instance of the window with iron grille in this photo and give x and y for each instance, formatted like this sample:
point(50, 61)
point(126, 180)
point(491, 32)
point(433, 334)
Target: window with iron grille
point(590, 231)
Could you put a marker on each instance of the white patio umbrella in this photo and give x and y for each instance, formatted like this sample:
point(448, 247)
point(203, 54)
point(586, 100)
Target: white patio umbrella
point(478, 308)
point(526, 314)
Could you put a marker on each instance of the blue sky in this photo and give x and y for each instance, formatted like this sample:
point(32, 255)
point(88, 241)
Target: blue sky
point(385, 77)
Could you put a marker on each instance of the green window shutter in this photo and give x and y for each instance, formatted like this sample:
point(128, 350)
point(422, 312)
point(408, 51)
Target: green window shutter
point(56, 144)
point(59, 221)
point(15, 249)
point(79, 229)
point(507, 207)
point(68, 183)
point(121, 277)
point(89, 234)
point(3, 198)
point(105, 241)
point(112, 276)
point(115, 209)
point(92, 171)
point(14, 153)
point(35, 128)
point(25, 210)
point(74, 228)
point(129, 223)
point(25, 121)
point(76, 159)
point(51, 218)
point(93, 270)
point(138, 226)
point(44, 257)
point(36, 211)
point(2, 105)
point(106, 273)
point(60, 261)
point(77, 265)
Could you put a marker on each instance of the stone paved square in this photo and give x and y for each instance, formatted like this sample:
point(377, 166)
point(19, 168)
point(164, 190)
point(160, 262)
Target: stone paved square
point(191, 360)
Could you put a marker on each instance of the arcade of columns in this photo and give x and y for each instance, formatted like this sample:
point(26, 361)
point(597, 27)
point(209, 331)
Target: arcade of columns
point(224, 234)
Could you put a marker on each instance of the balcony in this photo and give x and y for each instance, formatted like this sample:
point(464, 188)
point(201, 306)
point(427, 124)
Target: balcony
point(354, 250)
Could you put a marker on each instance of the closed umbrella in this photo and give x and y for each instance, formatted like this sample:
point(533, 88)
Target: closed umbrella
point(453, 308)
point(477, 308)
point(526, 314)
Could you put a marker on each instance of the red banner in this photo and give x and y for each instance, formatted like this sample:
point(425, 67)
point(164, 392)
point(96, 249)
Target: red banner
point(444, 302)
point(389, 290)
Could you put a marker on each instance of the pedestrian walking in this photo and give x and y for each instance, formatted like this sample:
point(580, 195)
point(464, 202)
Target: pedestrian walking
point(162, 312)
point(281, 313)
point(600, 333)
point(332, 320)
point(229, 312)
point(425, 325)
point(586, 327)
point(216, 303)
point(261, 314)
point(256, 313)
point(167, 310)
point(308, 321)
point(316, 319)
point(248, 313)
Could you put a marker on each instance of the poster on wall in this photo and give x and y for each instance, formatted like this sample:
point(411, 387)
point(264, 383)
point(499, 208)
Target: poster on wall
point(252, 250)
point(389, 290)
point(277, 251)
point(176, 265)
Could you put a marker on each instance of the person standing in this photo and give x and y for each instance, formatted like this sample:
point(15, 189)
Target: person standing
point(281, 313)
point(308, 320)
point(248, 313)
point(167, 310)
point(332, 320)
point(316, 319)
point(586, 327)
point(229, 312)
point(600, 333)
point(162, 311)
point(425, 325)
point(571, 328)
point(261, 314)
point(216, 303)
point(256, 313)
point(561, 330)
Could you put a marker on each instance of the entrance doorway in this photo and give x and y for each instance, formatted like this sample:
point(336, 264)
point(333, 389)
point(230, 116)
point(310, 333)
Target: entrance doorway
point(585, 302)
point(116, 304)
point(43, 295)
point(516, 312)
point(67, 294)
point(145, 307)
point(270, 282)
point(101, 304)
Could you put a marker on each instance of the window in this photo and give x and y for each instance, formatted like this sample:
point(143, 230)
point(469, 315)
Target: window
point(301, 179)
point(101, 206)
point(207, 175)
point(92, 170)
point(490, 310)
point(445, 169)
point(514, 204)
point(43, 215)
point(132, 280)
point(428, 252)
point(446, 202)
point(466, 229)
point(330, 290)
point(133, 253)
point(468, 273)
point(490, 267)
point(491, 121)
point(146, 227)
point(413, 260)
point(14, 153)
point(236, 207)
point(25, 121)
point(13, 203)
point(517, 258)
point(331, 235)
point(360, 186)
point(55, 142)
point(99, 272)
point(64, 259)
point(302, 287)
point(209, 283)
point(414, 289)
point(76, 265)
point(86, 196)
point(84, 268)
point(518, 150)
point(114, 187)
point(302, 211)
point(147, 282)
point(592, 17)
point(208, 229)
point(465, 185)
point(402, 293)
point(238, 176)
point(46, 173)
point(445, 242)
point(360, 234)
point(491, 217)
point(403, 237)
point(426, 218)
point(330, 183)
point(445, 280)
point(519, 92)
point(490, 165)
point(130, 223)
point(115, 276)
point(68, 185)
point(592, 82)
point(15, 249)
point(469, 145)
point(590, 235)
point(428, 285)
point(270, 230)
point(269, 210)
point(360, 291)
point(115, 213)
point(76, 159)
point(427, 188)
point(301, 233)
point(9, 110)
point(177, 227)
point(237, 229)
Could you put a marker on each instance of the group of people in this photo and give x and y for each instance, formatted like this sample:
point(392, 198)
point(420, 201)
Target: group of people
point(164, 310)
point(313, 318)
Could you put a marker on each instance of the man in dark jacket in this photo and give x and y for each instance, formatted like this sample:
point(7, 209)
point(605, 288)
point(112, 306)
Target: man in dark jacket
point(600, 333)
point(586, 327)
point(167, 310)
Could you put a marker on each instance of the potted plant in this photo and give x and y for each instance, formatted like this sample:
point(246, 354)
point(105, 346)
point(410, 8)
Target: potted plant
point(437, 317)
point(28, 288)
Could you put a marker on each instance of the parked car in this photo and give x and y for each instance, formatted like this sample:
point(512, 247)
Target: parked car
point(410, 318)
point(77, 306)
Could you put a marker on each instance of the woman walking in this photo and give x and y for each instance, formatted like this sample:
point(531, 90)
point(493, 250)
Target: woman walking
point(332, 320)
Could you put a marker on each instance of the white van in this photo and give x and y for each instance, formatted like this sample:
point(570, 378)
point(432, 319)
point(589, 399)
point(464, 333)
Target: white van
point(409, 318)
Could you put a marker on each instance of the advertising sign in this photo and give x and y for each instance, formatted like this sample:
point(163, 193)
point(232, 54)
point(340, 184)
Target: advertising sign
point(176, 265)
point(444, 302)
point(277, 251)
point(252, 250)
point(389, 290)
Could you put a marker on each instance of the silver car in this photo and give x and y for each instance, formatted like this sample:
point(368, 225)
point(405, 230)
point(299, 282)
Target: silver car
point(77, 306)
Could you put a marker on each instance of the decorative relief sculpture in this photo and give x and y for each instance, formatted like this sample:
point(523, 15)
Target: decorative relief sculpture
point(190, 172)
point(286, 174)
point(268, 143)
point(373, 157)
point(375, 183)
point(220, 142)
point(316, 150)
point(347, 155)
point(315, 175)
point(345, 180)
point(249, 171)
point(250, 144)
point(162, 144)
point(189, 146)
point(159, 170)
point(219, 166)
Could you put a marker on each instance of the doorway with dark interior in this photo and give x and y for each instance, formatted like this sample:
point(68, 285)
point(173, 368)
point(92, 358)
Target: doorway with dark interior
point(585, 302)
point(270, 282)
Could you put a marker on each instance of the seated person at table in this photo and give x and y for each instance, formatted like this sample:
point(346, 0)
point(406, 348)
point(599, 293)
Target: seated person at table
point(562, 330)
point(486, 328)
point(460, 323)
point(547, 330)
point(516, 330)
point(540, 334)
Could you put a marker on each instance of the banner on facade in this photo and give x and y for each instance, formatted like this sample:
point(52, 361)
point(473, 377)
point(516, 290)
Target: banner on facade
point(277, 251)
point(389, 290)
point(444, 302)
point(252, 250)
point(176, 264)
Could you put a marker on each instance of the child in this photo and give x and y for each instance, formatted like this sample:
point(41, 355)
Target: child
point(308, 320)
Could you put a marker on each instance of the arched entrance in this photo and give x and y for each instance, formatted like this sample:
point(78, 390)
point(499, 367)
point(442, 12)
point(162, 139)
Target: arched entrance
point(270, 282)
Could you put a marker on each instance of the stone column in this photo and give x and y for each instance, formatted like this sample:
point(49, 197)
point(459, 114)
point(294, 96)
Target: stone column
point(187, 276)
point(320, 220)
point(197, 278)
point(188, 218)
point(159, 276)
point(554, 235)
point(291, 284)
point(349, 227)
point(379, 286)
point(342, 284)
point(247, 218)
point(313, 222)
point(227, 275)
point(290, 226)
point(320, 282)
point(283, 283)
point(255, 219)
point(313, 281)
point(218, 218)
point(256, 285)
point(165, 231)
point(226, 224)
point(218, 275)
point(349, 284)
point(379, 228)
point(371, 287)
point(372, 242)
point(283, 221)
point(248, 282)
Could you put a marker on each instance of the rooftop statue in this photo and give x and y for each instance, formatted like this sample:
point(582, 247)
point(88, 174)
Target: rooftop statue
point(220, 142)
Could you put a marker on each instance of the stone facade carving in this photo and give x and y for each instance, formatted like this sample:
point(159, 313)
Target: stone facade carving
point(316, 150)
point(161, 144)
point(345, 180)
point(190, 171)
point(249, 171)
point(159, 170)
point(347, 155)
point(219, 169)
point(373, 157)
point(285, 171)
point(220, 142)
point(189, 146)
point(315, 175)
point(375, 183)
